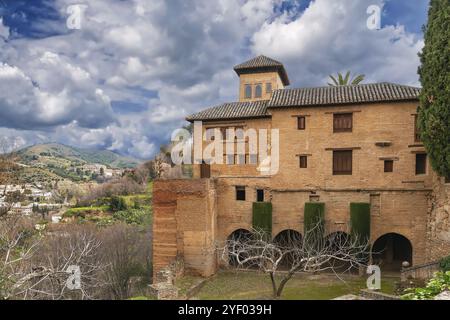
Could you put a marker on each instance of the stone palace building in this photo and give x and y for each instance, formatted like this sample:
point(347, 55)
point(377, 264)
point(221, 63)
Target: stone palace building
point(345, 150)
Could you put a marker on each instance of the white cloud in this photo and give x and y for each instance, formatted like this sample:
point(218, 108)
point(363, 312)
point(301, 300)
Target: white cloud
point(4, 30)
point(332, 36)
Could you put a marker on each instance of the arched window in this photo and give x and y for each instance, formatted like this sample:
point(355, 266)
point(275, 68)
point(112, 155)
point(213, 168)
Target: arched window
point(258, 91)
point(248, 91)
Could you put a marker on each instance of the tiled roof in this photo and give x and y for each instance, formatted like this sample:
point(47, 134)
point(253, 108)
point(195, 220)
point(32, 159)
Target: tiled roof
point(234, 110)
point(263, 62)
point(302, 97)
point(363, 93)
point(258, 62)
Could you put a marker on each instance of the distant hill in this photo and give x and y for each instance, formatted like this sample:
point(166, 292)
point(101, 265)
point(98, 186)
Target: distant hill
point(75, 155)
point(44, 163)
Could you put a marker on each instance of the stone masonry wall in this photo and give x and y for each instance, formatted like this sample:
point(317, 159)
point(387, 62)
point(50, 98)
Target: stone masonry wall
point(184, 225)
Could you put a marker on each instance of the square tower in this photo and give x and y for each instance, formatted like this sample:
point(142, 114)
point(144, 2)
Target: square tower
point(259, 77)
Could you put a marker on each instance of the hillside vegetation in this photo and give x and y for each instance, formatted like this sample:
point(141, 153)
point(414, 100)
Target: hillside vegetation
point(58, 153)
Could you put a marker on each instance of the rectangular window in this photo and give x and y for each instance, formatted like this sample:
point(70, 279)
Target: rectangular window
point(388, 165)
point(240, 193)
point(303, 162)
point(416, 129)
point(268, 87)
point(342, 162)
point(260, 195)
point(447, 179)
point(343, 122)
point(421, 163)
point(301, 123)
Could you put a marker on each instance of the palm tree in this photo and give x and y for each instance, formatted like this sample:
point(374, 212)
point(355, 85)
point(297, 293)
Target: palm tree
point(345, 80)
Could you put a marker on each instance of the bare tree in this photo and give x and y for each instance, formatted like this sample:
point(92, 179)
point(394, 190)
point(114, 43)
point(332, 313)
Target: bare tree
point(128, 251)
point(311, 254)
point(32, 267)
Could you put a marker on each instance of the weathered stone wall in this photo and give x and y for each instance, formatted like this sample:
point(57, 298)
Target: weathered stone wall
point(184, 225)
point(439, 220)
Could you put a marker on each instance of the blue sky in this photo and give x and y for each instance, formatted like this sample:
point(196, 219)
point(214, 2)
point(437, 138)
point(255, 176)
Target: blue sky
point(136, 68)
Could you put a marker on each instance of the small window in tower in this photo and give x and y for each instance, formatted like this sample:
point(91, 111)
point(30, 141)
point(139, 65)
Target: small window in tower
point(268, 87)
point(248, 91)
point(258, 91)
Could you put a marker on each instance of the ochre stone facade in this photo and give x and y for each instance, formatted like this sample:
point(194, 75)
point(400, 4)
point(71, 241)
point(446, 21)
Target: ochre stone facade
point(192, 216)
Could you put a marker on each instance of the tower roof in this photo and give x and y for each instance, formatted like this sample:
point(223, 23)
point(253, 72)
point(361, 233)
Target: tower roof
point(263, 63)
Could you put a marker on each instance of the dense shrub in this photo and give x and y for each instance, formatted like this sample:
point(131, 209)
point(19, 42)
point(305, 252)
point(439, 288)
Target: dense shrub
point(439, 283)
point(445, 264)
point(118, 204)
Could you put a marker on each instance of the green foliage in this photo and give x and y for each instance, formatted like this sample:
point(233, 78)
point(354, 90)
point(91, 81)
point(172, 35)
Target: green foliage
point(439, 283)
point(118, 204)
point(360, 221)
point(314, 214)
point(341, 80)
point(132, 216)
point(83, 211)
point(445, 264)
point(262, 216)
point(434, 111)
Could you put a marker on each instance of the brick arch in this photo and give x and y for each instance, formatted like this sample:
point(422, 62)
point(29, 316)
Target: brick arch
point(277, 231)
point(391, 249)
point(292, 233)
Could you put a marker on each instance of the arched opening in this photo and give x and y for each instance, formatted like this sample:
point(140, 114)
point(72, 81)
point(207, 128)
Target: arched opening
point(337, 242)
point(286, 240)
point(258, 91)
point(391, 250)
point(236, 241)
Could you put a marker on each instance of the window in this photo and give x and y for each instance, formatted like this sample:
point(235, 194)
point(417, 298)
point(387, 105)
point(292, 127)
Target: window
point(301, 123)
point(230, 158)
point(343, 122)
point(268, 87)
point(240, 193)
point(342, 162)
point(241, 159)
point(303, 162)
point(260, 195)
point(421, 163)
point(248, 91)
point(210, 134)
point(416, 129)
point(253, 159)
point(258, 91)
point(447, 179)
point(388, 165)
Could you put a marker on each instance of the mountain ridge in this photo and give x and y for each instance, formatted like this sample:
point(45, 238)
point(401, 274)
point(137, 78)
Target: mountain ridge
point(108, 158)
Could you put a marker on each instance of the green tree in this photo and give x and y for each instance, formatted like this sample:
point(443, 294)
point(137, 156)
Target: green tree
point(118, 204)
point(341, 80)
point(434, 111)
